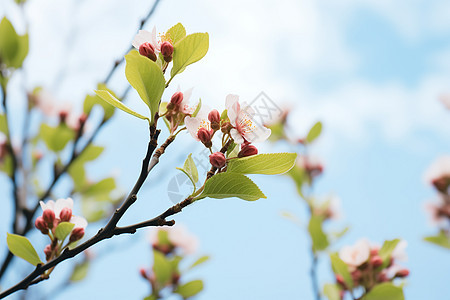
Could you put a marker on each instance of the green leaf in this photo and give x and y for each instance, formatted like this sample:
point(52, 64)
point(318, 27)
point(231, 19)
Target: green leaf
point(189, 289)
point(332, 291)
point(80, 271)
point(190, 168)
point(197, 108)
point(176, 33)
point(103, 186)
point(105, 95)
point(63, 230)
point(299, 176)
point(91, 100)
point(227, 185)
point(21, 247)
point(269, 164)
point(146, 78)
point(386, 251)
point(161, 267)
point(188, 51)
point(13, 47)
point(56, 138)
point(231, 148)
point(151, 297)
point(200, 261)
point(314, 132)
point(3, 124)
point(91, 153)
point(341, 268)
point(441, 240)
point(318, 237)
point(385, 291)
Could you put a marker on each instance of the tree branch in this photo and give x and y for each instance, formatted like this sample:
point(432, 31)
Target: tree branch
point(29, 213)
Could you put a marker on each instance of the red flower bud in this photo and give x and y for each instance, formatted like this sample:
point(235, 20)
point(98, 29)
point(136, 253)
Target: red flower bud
point(226, 127)
point(356, 275)
point(65, 215)
point(247, 150)
point(143, 273)
point(376, 261)
point(49, 217)
point(217, 159)
point(441, 184)
point(340, 280)
point(167, 51)
point(147, 50)
point(382, 277)
point(177, 98)
point(214, 116)
point(41, 225)
point(402, 273)
point(48, 252)
point(63, 116)
point(204, 136)
point(373, 252)
point(77, 234)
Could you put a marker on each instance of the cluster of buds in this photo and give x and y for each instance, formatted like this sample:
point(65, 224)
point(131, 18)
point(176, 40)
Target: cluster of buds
point(367, 267)
point(55, 213)
point(172, 243)
point(235, 124)
point(438, 175)
point(149, 46)
point(328, 210)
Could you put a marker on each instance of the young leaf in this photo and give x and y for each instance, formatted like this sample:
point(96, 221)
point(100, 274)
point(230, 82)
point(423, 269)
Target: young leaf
point(63, 230)
point(91, 100)
point(9, 42)
point(314, 132)
point(385, 291)
point(318, 237)
point(79, 271)
point(190, 168)
point(91, 153)
point(56, 138)
point(105, 95)
point(103, 186)
point(146, 78)
point(332, 291)
point(227, 185)
point(188, 51)
point(161, 267)
point(386, 251)
point(269, 164)
point(441, 240)
point(176, 33)
point(341, 268)
point(199, 261)
point(189, 289)
point(21, 247)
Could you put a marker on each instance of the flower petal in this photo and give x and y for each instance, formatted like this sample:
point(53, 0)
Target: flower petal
point(79, 222)
point(192, 125)
point(233, 107)
point(48, 205)
point(63, 203)
point(143, 36)
point(259, 134)
point(236, 136)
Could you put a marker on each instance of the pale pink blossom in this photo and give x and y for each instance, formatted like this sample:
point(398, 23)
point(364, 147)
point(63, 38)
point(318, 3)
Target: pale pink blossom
point(438, 169)
point(59, 205)
point(399, 253)
point(145, 36)
point(184, 106)
point(178, 236)
point(334, 208)
point(245, 127)
point(445, 99)
point(355, 255)
point(193, 124)
point(392, 271)
point(45, 101)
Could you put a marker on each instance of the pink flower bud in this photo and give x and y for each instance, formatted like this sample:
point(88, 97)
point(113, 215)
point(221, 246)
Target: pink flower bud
point(65, 215)
point(376, 261)
point(356, 275)
point(340, 280)
point(177, 98)
point(48, 251)
point(217, 159)
point(383, 277)
point(143, 273)
point(374, 251)
point(147, 50)
point(402, 273)
point(441, 184)
point(77, 234)
point(214, 118)
point(167, 51)
point(63, 116)
point(247, 150)
point(49, 217)
point(41, 225)
point(204, 136)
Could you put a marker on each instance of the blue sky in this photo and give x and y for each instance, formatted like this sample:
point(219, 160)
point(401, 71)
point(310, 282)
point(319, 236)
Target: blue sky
point(372, 71)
